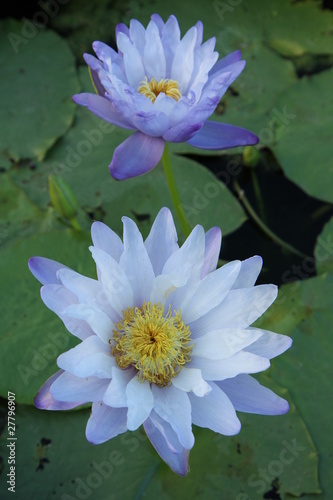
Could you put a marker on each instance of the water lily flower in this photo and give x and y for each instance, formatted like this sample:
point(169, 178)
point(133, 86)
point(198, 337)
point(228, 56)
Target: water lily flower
point(165, 337)
point(164, 88)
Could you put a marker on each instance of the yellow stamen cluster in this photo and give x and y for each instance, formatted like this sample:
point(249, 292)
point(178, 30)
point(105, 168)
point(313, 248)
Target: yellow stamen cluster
point(155, 343)
point(153, 88)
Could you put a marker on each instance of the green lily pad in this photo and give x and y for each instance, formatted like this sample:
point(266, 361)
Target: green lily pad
point(19, 217)
point(84, 22)
point(324, 249)
point(38, 80)
point(303, 144)
point(304, 310)
point(128, 467)
point(33, 336)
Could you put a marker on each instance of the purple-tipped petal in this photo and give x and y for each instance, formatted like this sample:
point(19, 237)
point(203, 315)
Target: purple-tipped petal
point(199, 27)
point(153, 124)
point(45, 270)
point(182, 132)
point(136, 155)
point(166, 443)
point(226, 61)
point(247, 395)
point(101, 107)
point(45, 401)
point(69, 388)
point(122, 28)
point(96, 82)
point(158, 21)
point(213, 239)
point(214, 135)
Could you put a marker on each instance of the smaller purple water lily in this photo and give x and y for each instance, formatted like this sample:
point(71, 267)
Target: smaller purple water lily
point(164, 88)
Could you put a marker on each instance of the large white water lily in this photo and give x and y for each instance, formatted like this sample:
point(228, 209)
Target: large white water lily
point(163, 88)
point(165, 337)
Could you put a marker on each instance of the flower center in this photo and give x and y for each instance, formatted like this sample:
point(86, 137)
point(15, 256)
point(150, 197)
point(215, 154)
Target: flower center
point(153, 88)
point(155, 343)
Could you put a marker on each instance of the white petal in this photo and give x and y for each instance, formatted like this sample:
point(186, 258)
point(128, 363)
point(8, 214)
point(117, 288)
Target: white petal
point(270, 344)
point(57, 298)
point(140, 402)
point(169, 435)
point(249, 272)
point(154, 59)
point(209, 292)
point(117, 287)
point(105, 423)
point(182, 66)
point(161, 242)
point(204, 60)
point(137, 35)
point(187, 263)
point(216, 412)
point(173, 406)
point(241, 362)
point(189, 257)
point(132, 60)
point(70, 388)
point(199, 27)
point(213, 240)
point(239, 309)
point(106, 54)
point(222, 344)
point(105, 239)
point(99, 322)
point(170, 41)
point(190, 380)
point(91, 358)
point(115, 395)
point(247, 395)
point(166, 443)
point(87, 290)
point(136, 263)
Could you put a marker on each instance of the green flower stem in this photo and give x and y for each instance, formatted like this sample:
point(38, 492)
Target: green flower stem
point(171, 181)
point(75, 224)
point(257, 192)
point(262, 225)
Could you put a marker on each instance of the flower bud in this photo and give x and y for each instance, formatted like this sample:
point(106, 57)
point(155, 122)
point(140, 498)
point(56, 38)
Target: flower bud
point(251, 156)
point(62, 197)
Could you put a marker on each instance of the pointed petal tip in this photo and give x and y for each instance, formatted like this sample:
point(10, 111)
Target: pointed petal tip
point(77, 98)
